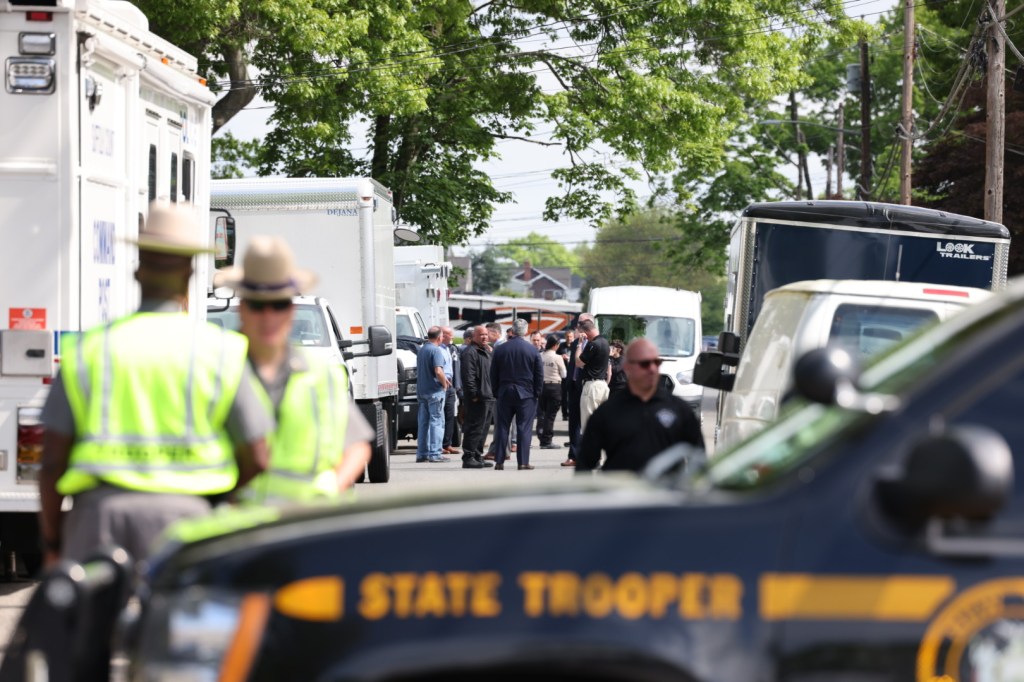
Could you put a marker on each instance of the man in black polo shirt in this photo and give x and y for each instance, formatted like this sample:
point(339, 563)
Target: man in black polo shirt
point(634, 425)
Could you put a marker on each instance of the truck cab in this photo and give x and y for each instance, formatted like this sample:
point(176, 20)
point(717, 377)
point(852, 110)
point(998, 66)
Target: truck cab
point(411, 332)
point(865, 317)
point(315, 328)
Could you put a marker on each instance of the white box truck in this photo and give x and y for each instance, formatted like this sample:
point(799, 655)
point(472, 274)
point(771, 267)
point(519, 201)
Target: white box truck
point(343, 230)
point(668, 317)
point(98, 116)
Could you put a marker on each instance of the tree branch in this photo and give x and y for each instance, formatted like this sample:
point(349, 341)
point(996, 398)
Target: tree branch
point(502, 136)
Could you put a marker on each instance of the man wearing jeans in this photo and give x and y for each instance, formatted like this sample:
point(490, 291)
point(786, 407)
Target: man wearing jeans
point(431, 387)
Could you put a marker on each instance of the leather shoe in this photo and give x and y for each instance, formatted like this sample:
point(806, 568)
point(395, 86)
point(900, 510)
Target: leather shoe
point(451, 451)
point(569, 463)
point(549, 446)
point(472, 464)
point(567, 445)
point(485, 465)
point(525, 466)
point(489, 457)
point(500, 466)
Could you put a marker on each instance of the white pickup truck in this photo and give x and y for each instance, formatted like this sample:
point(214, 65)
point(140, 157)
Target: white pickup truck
point(864, 317)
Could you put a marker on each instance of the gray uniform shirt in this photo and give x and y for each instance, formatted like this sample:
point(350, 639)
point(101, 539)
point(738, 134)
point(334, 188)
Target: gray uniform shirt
point(358, 429)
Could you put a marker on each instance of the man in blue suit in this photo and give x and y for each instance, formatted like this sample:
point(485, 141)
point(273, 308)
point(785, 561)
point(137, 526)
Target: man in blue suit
point(517, 377)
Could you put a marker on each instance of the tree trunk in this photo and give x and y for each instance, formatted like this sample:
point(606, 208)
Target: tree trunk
point(241, 93)
point(381, 146)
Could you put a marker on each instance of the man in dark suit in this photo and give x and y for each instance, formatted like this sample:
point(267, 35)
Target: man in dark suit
point(517, 376)
point(564, 349)
point(575, 391)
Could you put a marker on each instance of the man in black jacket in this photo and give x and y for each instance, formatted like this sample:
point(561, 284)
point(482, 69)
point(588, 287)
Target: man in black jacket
point(479, 399)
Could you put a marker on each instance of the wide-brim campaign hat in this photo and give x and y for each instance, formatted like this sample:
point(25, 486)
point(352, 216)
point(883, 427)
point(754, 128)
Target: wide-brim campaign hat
point(171, 228)
point(268, 272)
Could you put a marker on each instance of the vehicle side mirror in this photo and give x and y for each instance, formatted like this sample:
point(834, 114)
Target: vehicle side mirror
point(709, 370)
point(966, 472)
point(729, 343)
point(822, 374)
point(224, 242)
point(379, 340)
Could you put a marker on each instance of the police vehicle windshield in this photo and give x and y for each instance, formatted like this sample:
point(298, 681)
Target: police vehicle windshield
point(806, 430)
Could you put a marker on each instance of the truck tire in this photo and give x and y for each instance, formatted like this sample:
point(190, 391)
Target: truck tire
point(379, 470)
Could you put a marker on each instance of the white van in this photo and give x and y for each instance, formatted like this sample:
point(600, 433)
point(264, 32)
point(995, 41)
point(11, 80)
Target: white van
point(668, 317)
point(862, 316)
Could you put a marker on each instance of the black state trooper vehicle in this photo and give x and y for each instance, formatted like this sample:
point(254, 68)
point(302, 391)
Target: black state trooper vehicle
point(873, 533)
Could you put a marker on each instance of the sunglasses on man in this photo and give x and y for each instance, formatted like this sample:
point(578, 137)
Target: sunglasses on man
point(260, 306)
point(646, 364)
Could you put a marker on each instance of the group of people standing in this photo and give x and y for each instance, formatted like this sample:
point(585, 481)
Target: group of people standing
point(610, 394)
point(156, 417)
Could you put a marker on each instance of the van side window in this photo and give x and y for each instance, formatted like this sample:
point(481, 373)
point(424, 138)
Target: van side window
point(174, 177)
point(865, 330)
point(152, 172)
point(187, 168)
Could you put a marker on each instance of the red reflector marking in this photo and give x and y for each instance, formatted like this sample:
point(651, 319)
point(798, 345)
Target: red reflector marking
point(47, 380)
point(948, 292)
point(39, 16)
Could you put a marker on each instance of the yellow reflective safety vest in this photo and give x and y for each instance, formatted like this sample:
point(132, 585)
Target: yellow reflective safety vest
point(150, 394)
point(307, 445)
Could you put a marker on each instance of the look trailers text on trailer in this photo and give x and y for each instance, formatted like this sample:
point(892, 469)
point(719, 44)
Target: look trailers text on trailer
point(98, 117)
point(778, 243)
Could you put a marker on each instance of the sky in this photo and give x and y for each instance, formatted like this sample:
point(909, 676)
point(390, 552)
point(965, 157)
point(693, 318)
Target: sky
point(524, 169)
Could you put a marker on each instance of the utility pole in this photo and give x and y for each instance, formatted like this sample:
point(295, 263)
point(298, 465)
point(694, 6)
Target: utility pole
point(802, 172)
point(907, 119)
point(828, 166)
point(995, 115)
point(841, 151)
point(864, 191)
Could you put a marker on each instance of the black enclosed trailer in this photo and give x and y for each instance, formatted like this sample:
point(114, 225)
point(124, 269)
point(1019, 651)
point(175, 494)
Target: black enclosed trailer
point(777, 243)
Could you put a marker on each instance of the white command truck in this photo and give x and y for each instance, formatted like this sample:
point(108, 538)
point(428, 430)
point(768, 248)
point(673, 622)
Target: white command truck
point(98, 117)
point(343, 230)
point(421, 281)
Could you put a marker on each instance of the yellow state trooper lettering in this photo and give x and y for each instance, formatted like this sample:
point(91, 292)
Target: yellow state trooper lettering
point(429, 595)
point(633, 595)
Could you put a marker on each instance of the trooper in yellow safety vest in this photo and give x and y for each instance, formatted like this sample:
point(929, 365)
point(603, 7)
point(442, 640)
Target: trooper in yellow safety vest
point(151, 415)
point(321, 443)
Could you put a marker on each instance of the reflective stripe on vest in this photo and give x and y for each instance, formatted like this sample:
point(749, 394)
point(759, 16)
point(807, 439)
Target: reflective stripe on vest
point(148, 425)
point(307, 445)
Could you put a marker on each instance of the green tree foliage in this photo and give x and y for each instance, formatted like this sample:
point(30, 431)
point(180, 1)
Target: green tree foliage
point(540, 250)
point(491, 270)
point(436, 83)
point(234, 158)
point(644, 249)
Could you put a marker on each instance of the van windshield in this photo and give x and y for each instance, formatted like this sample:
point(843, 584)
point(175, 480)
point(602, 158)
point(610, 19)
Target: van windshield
point(308, 329)
point(674, 336)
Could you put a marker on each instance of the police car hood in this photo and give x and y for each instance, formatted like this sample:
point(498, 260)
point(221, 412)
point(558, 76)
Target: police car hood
point(240, 536)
